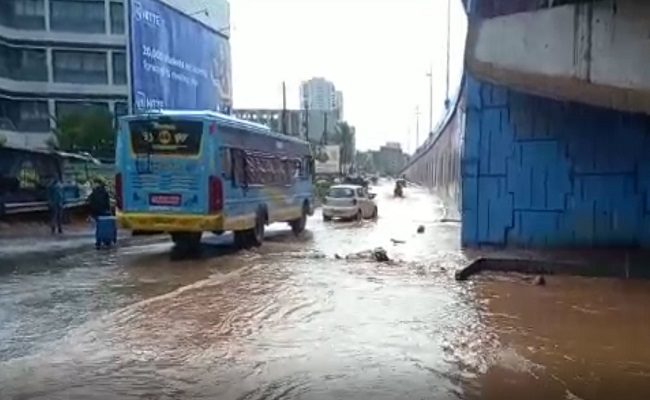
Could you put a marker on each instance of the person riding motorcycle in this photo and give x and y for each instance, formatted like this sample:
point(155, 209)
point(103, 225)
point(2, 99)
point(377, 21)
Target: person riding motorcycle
point(398, 191)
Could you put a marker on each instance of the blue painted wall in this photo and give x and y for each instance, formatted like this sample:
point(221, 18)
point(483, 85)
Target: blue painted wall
point(542, 173)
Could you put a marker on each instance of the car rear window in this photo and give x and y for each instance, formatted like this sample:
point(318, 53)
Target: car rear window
point(341, 192)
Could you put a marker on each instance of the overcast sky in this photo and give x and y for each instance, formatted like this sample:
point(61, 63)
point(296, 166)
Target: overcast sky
point(376, 51)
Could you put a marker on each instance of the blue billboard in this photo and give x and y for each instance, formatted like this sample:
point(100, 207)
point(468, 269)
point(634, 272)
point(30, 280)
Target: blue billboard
point(176, 61)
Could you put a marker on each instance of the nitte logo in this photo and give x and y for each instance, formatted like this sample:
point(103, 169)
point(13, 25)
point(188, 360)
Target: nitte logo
point(144, 102)
point(149, 17)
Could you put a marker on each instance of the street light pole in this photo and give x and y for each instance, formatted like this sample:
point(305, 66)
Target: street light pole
point(408, 139)
point(417, 127)
point(447, 101)
point(430, 76)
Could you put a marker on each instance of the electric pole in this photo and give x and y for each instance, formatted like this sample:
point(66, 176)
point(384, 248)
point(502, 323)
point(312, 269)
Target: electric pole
point(324, 138)
point(284, 107)
point(305, 120)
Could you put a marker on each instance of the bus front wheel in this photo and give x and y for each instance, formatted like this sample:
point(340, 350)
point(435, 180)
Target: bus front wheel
point(187, 242)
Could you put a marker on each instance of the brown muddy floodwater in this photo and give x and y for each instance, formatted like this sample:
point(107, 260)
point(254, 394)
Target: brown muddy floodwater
point(575, 338)
point(289, 321)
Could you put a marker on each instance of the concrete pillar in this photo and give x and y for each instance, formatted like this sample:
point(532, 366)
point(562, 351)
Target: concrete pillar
point(109, 67)
point(51, 109)
point(107, 17)
point(46, 9)
point(49, 60)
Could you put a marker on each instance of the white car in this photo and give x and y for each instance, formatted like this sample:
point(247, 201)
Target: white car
point(349, 202)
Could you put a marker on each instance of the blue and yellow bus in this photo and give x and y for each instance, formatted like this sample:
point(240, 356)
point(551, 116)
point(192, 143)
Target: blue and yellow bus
point(190, 172)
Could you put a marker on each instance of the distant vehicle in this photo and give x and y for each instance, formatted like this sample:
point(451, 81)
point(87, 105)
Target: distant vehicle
point(355, 180)
point(349, 202)
point(398, 191)
point(186, 173)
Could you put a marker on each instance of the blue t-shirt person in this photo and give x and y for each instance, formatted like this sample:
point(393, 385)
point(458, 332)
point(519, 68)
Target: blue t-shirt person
point(56, 202)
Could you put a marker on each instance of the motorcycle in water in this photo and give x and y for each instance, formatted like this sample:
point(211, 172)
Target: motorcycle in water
point(398, 191)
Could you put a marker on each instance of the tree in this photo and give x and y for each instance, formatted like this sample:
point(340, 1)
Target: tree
point(365, 162)
point(344, 136)
point(89, 130)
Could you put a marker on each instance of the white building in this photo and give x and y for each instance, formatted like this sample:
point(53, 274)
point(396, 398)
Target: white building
point(59, 55)
point(321, 95)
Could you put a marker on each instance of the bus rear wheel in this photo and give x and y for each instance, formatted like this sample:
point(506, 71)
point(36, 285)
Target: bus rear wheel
point(251, 237)
point(187, 242)
point(298, 225)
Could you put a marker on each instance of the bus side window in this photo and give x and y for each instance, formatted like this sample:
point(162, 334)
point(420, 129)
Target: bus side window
point(226, 163)
point(305, 170)
point(299, 168)
point(238, 167)
point(312, 166)
point(287, 170)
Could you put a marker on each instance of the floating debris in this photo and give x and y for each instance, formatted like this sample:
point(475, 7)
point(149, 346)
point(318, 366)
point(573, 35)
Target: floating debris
point(539, 280)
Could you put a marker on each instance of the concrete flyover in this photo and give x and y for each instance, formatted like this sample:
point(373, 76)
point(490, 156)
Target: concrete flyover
point(548, 141)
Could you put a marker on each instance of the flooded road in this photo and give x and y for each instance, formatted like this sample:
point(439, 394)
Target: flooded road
point(289, 321)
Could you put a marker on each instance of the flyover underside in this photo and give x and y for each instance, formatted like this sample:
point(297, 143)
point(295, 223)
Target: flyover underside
point(549, 143)
point(524, 170)
point(593, 52)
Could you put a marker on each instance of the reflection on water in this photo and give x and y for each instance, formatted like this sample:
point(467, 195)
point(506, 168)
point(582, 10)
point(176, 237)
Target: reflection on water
point(290, 321)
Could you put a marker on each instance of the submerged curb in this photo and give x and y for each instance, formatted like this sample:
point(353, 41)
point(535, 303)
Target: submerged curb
point(26, 250)
point(550, 267)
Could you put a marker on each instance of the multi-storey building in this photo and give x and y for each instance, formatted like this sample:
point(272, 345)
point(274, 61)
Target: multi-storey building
point(321, 95)
point(61, 55)
point(390, 159)
point(273, 119)
point(300, 123)
point(56, 56)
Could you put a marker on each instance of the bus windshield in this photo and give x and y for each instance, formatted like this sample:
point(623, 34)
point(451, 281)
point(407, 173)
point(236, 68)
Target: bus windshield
point(181, 138)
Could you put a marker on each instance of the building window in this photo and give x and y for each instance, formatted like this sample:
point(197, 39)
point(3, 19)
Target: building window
point(117, 18)
point(121, 108)
point(119, 68)
point(23, 14)
point(23, 64)
point(65, 108)
point(25, 115)
point(34, 116)
point(80, 67)
point(77, 16)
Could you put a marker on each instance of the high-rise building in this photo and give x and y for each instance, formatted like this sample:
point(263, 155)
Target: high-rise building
point(321, 95)
point(325, 105)
point(59, 55)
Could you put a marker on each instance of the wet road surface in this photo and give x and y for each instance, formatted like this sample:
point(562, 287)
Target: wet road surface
point(289, 321)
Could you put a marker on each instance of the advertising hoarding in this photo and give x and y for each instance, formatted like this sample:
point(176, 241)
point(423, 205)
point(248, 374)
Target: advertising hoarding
point(176, 61)
point(327, 159)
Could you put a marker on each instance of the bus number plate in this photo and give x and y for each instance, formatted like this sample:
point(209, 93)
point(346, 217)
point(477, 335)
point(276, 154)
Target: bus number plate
point(165, 199)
